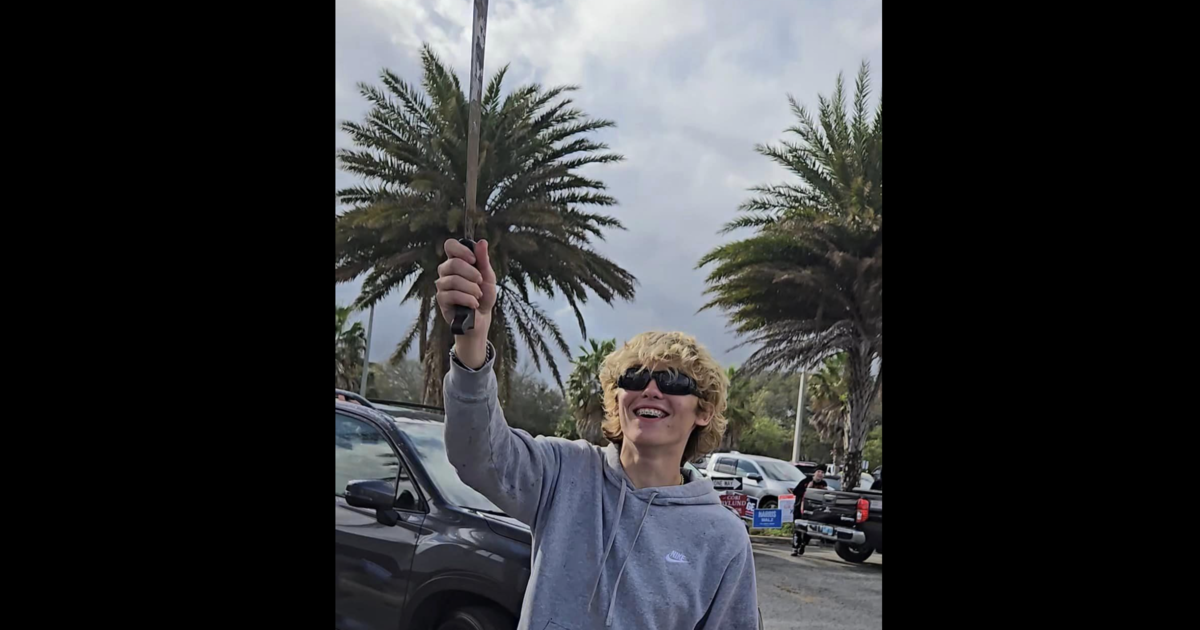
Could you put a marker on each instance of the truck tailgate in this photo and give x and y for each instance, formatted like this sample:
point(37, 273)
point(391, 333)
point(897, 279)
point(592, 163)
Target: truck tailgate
point(828, 506)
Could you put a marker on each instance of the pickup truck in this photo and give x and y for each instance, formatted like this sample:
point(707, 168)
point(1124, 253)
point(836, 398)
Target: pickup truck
point(853, 521)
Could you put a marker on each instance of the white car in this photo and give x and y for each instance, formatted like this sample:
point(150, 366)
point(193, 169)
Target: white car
point(764, 478)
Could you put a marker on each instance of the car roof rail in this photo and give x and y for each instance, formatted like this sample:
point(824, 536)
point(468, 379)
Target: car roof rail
point(397, 403)
point(355, 397)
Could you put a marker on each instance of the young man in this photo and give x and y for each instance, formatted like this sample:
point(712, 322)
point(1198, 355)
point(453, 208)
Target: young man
point(623, 536)
point(817, 481)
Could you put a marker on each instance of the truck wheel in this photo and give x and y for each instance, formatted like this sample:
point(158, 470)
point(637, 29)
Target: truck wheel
point(851, 553)
point(477, 618)
point(769, 504)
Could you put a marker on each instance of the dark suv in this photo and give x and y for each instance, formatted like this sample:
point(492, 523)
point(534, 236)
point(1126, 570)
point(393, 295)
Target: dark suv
point(417, 548)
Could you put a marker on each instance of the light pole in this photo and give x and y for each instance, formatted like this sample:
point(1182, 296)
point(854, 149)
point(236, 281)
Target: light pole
point(362, 390)
point(799, 416)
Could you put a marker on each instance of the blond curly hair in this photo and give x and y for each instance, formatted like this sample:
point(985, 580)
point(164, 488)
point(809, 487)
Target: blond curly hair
point(674, 351)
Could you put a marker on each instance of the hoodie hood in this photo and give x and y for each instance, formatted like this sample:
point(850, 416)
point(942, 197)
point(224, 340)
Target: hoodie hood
point(695, 491)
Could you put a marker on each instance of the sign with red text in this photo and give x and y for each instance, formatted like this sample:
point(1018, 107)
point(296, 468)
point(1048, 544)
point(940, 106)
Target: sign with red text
point(735, 500)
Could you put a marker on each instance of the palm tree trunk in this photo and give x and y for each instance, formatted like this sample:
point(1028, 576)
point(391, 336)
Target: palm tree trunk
point(862, 388)
point(502, 364)
point(423, 324)
point(436, 362)
point(592, 430)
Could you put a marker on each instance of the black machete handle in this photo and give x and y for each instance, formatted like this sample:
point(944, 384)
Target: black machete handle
point(464, 316)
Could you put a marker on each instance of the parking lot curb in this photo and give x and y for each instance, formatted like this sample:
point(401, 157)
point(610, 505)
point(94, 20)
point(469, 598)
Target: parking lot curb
point(772, 540)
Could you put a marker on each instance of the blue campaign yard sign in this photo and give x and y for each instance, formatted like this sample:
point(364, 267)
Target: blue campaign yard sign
point(768, 519)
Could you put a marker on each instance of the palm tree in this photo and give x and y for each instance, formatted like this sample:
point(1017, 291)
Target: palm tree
point(412, 147)
point(585, 397)
point(350, 344)
point(809, 283)
point(829, 403)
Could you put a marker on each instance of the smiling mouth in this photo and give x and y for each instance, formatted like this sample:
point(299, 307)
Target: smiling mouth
point(650, 413)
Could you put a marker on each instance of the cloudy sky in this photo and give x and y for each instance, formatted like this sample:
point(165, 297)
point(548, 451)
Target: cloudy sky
point(693, 85)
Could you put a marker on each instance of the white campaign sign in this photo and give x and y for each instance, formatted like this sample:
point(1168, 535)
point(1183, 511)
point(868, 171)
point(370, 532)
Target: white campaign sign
point(786, 503)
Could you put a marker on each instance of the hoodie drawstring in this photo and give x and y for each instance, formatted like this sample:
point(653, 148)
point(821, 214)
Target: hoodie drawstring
point(632, 546)
point(608, 547)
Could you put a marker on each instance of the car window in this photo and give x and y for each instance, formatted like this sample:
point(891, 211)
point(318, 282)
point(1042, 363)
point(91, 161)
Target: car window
point(428, 441)
point(780, 471)
point(361, 452)
point(727, 466)
point(745, 467)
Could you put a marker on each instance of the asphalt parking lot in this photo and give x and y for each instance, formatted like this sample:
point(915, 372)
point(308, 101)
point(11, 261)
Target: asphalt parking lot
point(817, 590)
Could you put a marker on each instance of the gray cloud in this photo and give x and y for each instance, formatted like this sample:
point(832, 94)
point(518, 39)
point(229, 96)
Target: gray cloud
point(692, 87)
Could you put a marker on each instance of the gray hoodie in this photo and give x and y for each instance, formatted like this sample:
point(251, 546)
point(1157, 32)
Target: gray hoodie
point(605, 554)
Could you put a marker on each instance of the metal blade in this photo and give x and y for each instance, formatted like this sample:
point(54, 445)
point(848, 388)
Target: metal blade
point(478, 38)
point(464, 317)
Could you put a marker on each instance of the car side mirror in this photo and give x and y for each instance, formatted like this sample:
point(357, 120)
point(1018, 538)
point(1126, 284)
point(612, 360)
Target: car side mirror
point(371, 495)
point(379, 496)
point(754, 477)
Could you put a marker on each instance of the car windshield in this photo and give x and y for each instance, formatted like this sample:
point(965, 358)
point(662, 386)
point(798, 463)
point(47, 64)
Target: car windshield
point(834, 483)
point(430, 444)
point(780, 471)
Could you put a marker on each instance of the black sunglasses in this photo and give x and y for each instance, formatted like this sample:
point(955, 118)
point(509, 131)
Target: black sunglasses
point(636, 379)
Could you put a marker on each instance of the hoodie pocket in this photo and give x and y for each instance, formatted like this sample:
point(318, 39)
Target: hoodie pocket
point(550, 625)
